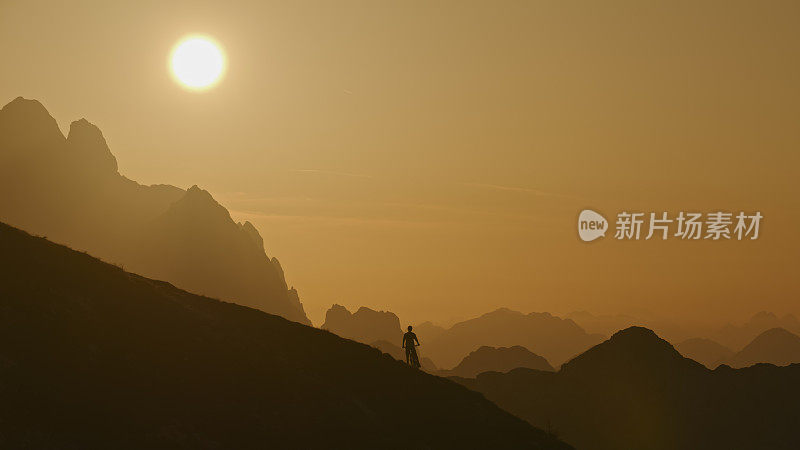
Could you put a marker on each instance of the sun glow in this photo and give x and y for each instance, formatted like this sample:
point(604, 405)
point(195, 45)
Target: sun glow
point(197, 62)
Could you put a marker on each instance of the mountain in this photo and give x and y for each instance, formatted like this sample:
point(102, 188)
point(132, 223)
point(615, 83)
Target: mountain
point(429, 330)
point(553, 338)
point(635, 391)
point(737, 336)
point(705, 351)
point(365, 325)
point(92, 356)
point(776, 346)
point(498, 359)
point(69, 189)
point(399, 354)
point(676, 330)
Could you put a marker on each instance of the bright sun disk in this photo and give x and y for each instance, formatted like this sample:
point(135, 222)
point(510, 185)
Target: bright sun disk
point(197, 62)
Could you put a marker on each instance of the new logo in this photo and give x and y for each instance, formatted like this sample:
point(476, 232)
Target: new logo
point(591, 225)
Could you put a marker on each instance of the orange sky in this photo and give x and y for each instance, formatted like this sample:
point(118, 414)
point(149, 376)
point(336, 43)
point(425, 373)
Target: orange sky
point(431, 159)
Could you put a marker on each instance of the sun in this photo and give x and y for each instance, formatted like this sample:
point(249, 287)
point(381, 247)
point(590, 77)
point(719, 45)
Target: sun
point(197, 62)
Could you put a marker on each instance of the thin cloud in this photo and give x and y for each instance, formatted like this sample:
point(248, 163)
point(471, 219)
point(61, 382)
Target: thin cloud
point(537, 192)
point(343, 220)
point(331, 172)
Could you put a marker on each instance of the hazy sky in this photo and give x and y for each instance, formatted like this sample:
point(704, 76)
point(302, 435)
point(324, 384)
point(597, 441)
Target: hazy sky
point(431, 158)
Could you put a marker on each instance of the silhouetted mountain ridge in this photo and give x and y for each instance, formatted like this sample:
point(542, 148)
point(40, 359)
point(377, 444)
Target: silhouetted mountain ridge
point(636, 391)
point(552, 337)
point(365, 325)
point(634, 350)
point(92, 356)
point(69, 190)
point(86, 141)
point(737, 336)
point(498, 359)
point(774, 346)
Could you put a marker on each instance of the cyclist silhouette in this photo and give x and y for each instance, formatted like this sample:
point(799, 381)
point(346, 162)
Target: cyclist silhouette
point(410, 342)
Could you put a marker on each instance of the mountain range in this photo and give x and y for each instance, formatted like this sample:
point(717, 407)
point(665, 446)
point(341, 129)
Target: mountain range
point(70, 190)
point(635, 391)
point(548, 336)
point(92, 356)
point(497, 359)
point(776, 346)
point(365, 325)
point(737, 336)
point(551, 337)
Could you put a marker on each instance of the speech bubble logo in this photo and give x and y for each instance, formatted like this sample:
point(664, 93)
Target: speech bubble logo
point(591, 225)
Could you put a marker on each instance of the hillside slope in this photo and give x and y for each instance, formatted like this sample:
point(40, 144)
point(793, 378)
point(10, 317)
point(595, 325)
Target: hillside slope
point(92, 357)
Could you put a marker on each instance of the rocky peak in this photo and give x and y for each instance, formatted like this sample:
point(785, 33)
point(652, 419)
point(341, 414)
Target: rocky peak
point(26, 123)
point(200, 205)
point(365, 325)
point(88, 144)
point(255, 236)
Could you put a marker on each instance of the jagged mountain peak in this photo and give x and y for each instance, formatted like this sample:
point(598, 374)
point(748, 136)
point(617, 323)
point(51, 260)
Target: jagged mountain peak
point(365, 325)
point(70, 189)
point(337, 308)
point(196, 191)
point(27, 123)
point(253, 233)
point(88, 143)
point(200, 204)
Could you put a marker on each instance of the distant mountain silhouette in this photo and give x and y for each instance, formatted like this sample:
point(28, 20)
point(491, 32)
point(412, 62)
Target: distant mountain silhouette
point(737, 336)
point(494, 359)
point(553, 338)
point(635, 391)
point(92, 356)
point(776, 346)
point(399, 354)
point(69, 190)
point(365, 325)
point(608, 324)
point(705, 351)
point(429, 330)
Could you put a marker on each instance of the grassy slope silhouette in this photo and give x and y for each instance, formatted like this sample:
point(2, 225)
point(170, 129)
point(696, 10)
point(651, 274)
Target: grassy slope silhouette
point(635, 391)
point(92, 356)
